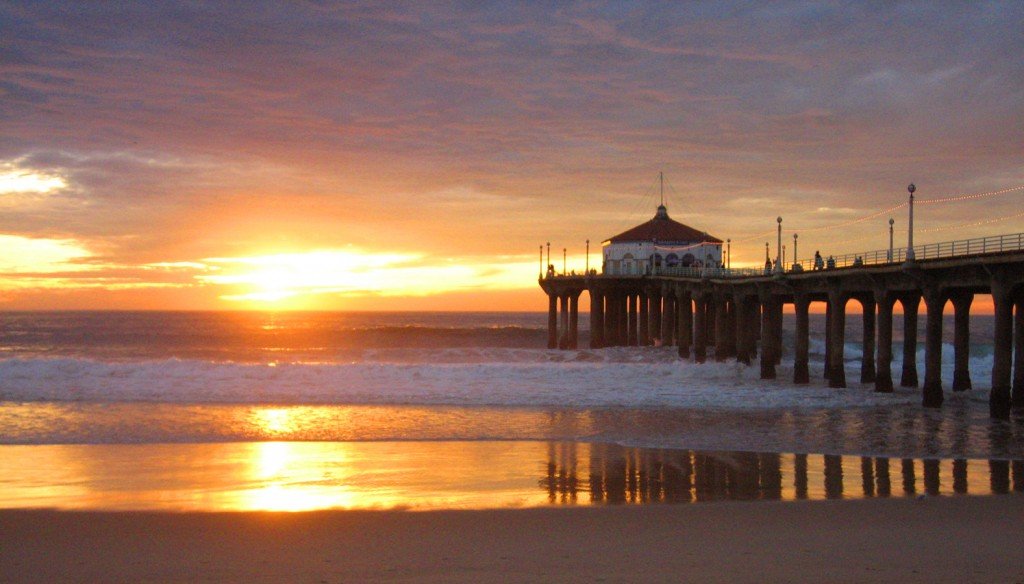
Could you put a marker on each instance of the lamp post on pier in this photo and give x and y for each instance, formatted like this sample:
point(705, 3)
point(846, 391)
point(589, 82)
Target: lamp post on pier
point(587, 264)
point(891, 221)
point(563, 261)
point(549, 254)
point(778, 249)
point(910, 225)
point(796, 258)
point(728, 254)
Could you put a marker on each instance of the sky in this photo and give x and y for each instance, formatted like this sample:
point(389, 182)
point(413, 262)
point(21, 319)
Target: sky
point(416, 156)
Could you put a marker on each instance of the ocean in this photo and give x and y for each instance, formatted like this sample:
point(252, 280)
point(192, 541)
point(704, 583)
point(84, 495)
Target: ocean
point(103, 384)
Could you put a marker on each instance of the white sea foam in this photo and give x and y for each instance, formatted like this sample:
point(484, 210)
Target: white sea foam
point(619, 377)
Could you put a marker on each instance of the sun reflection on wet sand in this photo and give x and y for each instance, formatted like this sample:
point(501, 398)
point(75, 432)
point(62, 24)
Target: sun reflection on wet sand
point(302, 476)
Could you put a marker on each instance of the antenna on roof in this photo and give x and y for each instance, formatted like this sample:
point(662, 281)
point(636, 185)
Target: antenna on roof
point(661, 182)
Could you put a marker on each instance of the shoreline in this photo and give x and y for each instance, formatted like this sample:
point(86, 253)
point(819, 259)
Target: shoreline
point(934, 539)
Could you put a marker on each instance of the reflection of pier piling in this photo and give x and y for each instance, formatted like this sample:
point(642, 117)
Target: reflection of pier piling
point(621, 475)
point(741, 318)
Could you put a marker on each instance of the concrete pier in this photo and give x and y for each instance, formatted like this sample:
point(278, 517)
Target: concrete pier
point(802, 358)
point(644, 334)
point(741, 318)
point(685, 323)
point(961, 340)
point(867, 362)
point(910, 303)
point(700, 329)
point(934, 302)
point(837, 339)
point(883, 369)
point(1017, 398)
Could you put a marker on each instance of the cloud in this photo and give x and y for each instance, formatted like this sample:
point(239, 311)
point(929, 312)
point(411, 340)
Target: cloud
point(185, 131)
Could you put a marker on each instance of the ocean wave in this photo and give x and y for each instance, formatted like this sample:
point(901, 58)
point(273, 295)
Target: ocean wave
point(626, 377)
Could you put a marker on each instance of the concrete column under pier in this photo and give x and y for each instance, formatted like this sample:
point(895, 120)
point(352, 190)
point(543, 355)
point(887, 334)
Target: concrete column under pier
point(610, 340)
point(961, 340)
point(684, 310)
point(883, 370)
point(867, 363)
point(910, 303)
point(563, 333)
point(801, 358)
point(700, 328)
point(768, 337)
point(741, 327)
point(754, 332)
point(729, 337)
point(999, 401)
point(596, 320)
point(552, 321)
point(668, 320)
point(777, 319)
point(623, 319)
point(709, 318)
point(828, 338)
point(934, 301)
point(574, 320)
point(644, 332)
point(837, 339)
point(1017, 397)
point(631, 339)
point(721, 324)
point(655, 317)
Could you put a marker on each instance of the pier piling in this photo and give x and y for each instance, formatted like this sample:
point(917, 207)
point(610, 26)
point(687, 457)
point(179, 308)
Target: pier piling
point(1017, 398)
point(883, 371)
point(867, 363)
point(700, 329)
point(910, 303)
point(837, 340)
point(1002, 352)
point(932, 390)
point(801, 359)
point(961, 340)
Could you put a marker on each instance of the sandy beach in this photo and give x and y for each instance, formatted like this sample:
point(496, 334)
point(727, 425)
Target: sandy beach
point(935, 539)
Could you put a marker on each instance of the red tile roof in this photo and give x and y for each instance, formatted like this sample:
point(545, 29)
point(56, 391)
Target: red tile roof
point(663, 230)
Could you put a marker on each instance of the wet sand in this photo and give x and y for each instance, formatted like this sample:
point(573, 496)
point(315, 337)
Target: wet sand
point(936, 539)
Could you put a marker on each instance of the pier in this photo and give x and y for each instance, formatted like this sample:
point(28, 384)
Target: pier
point(714, 312)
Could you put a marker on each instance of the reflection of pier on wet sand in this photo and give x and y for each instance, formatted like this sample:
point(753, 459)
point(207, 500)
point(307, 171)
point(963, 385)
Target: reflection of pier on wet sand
point(425, 475)
point(892, 537)
point(615, 474)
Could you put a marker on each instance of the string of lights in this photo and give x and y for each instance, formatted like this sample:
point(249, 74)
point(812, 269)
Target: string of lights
point(948, 199)
point(850, 222)
point(971, 224)
point(967, 197)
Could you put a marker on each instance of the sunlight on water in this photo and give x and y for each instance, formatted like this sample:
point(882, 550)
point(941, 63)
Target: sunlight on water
point(303, 476)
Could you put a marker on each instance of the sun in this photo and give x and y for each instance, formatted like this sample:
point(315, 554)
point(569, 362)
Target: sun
point(298, 279)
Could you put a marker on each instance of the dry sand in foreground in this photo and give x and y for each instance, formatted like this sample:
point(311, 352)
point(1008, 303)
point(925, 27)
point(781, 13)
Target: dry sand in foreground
point(949, 539)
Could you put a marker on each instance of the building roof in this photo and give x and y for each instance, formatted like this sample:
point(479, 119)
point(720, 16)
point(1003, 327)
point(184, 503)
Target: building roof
point(663, 230)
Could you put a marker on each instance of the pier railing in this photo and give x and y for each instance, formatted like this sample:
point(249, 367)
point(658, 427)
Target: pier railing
point(946, 249)
point(928, 251)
